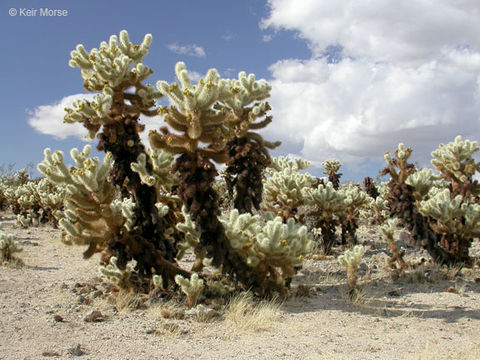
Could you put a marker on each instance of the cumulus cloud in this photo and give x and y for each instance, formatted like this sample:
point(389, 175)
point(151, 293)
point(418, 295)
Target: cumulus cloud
point(48, 119)
point(381, 73)
point(190, 50)
point(195, 76)
point(380, 29)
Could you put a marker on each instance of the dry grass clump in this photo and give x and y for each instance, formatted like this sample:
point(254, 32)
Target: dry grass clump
point(170, 309)
point(128, 300)
point(243, 314)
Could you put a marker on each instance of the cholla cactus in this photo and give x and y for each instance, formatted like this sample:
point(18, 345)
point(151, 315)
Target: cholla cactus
point(192, 287)
point(190, 240)
point(159, 175)
point(88, 218)
point(422, 181)
point(194, 115)
point(355, 201)
point(8, 247)
point(248, 154)
point(388, 230)
point(331, 170)
point(225, 195)
point(400, 162)
point(114, 69)
point(328, 205)
point(34, 201)
point(118, 276)
point(51, 199)
point(351, 259)
point(267, 246)
point(456, 220)
point(205, 122)
point(439, 227)
point(457, 166)
point(283, 189)
point(280, 163)
point(283, 245)
point(4, 186)
point(377, 211)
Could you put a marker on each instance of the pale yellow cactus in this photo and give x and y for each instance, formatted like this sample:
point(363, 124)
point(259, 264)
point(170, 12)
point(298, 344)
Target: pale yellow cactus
point(91, 216)
point(282, 191)
point(160, 175)
point(331, 166)
point(111, 69)
point(8, 247)
point(447, 212)
point(192, 287)
point(456, 159)
point(351, 259)
point(119, 277)
point(422, 181)
point(388, 229)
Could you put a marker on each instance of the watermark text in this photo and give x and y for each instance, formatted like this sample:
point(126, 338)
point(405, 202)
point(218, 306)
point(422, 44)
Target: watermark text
point(34, 12)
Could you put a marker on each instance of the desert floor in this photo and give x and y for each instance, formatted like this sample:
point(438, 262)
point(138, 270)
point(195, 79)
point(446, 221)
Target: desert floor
point(427, 313)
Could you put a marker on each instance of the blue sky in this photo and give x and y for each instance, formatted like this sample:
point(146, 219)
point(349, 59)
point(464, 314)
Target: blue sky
point(351, 79)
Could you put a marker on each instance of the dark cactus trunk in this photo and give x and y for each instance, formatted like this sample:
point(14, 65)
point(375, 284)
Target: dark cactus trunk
point(349, 228)
point(370, 187)
point(245, 172)
point(146, 244)
point(335, 180)
point(328, 234)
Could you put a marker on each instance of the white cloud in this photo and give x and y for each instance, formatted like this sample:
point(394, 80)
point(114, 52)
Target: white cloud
point(190, 50)
point(195, 76)
point(406, 74)
point(48, 119)
point(382, 30)
point(227, 37)
point(267, 38)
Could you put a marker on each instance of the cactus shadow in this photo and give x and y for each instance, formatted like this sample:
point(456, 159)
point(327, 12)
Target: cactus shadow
point(384, 299)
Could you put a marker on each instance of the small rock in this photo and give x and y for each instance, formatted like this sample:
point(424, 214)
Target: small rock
point(363, 268)
point(302, 291)
point(96, 294)
point(150, 331)
point(58, 318)
point(449, 289)
point(393, 293)
point(50, 353)
point(76, 351)
point(202, 311)
point(95, 316)
point(82, 299)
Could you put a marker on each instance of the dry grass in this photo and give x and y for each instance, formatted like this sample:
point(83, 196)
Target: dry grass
point(169, 329)
point(126, 301)
point(170, 309)
point(245, 315)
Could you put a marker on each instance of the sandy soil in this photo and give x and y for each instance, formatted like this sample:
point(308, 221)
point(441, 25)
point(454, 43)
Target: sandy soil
point(430, 313)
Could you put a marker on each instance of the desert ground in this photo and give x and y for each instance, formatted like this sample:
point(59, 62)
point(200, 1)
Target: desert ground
point(54, 304)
